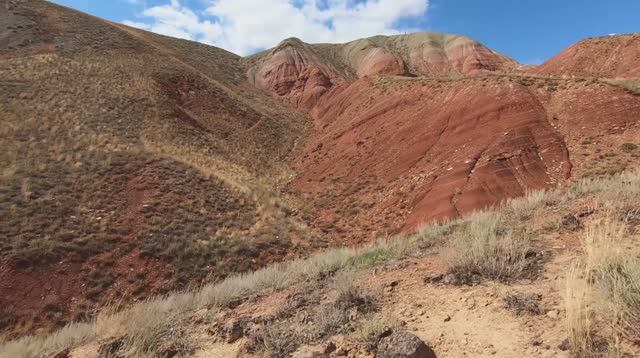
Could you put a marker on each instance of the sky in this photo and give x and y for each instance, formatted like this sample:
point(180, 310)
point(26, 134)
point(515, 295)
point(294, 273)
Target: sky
point(528, 31)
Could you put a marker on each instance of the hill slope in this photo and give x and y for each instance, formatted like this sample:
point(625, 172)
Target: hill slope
point(608, 56)
point(133, 165)
point(137, 164)
point(302, 72)
point(495, 284)
point(399, 146)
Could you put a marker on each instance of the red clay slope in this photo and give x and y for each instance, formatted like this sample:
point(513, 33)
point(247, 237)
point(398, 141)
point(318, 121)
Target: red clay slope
point(302, 73)
point(610, 56)
point(391, 153)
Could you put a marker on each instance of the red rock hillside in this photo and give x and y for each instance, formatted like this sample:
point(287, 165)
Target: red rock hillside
point(412, 129)
point(610, 56)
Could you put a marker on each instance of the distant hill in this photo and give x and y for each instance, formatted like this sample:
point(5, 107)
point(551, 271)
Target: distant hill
point(607, 56)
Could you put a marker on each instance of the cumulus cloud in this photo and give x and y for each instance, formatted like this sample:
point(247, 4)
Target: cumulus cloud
point(245, 26)
point(176, 20)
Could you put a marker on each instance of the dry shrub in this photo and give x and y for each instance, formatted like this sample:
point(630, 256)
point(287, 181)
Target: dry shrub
point(32, 346)
point(350, 301)
point(369, 331)
point(485, 248)
point(481, 246)
point(603, 292)
point(522, 303)
point(524, 208)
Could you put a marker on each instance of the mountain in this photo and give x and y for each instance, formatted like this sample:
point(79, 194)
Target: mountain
point(402, 137)
point(301, 72)
point(608, 56)
point(135, 164)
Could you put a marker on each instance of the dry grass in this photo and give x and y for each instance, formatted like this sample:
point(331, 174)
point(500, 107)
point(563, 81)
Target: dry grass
point(485, 247)
point(498, 253)
point(631, 85)
point(70, 336)
point(603, 292)
point(371, 329)
point(136, 145)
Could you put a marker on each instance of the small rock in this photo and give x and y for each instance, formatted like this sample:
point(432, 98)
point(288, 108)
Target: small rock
point(553, 314)
point(570, 222)
point(329, 347)
point(433, 278)
point(584, 213)
point(403, 345)
point(233, 330)
point(341, 352)
point(447, 318)
point(386, 332)
point(565, 345)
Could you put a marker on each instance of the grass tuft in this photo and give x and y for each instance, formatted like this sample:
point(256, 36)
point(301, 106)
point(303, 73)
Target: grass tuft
point(603, 292)
point(486, 248)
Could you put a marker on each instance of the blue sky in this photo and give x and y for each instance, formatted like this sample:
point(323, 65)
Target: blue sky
point(529, 31)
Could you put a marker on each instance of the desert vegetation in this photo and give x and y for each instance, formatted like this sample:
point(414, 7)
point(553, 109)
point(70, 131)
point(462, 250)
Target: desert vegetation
point(603, 291)
point(164, 202)
point(602, 285)
point(131, 167)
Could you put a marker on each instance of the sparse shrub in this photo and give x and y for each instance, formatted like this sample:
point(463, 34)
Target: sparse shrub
point(371, 258)
point(523, 208)
point(370, 330)
point(351, 294)
point(281, 338)
point(274, 340)
point(629, 147)
point(522, 303)
point(481, 246)
point(485, 248)
point(603, 293)
point(630, 215)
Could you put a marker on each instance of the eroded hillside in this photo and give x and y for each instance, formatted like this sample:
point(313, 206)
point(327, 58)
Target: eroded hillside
point(132, 164)
point(402, 146)
point(554, 274)
point(607, 56)
point(135, 164)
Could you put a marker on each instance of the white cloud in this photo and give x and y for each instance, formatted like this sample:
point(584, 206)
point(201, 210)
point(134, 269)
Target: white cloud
point(179, 21)
point(140, 25)
point(244, 26)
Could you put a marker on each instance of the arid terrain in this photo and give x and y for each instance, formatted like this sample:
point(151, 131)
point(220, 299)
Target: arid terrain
point(350, 176)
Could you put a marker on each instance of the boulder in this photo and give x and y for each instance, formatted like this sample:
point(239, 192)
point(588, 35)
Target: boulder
point(403, 345)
